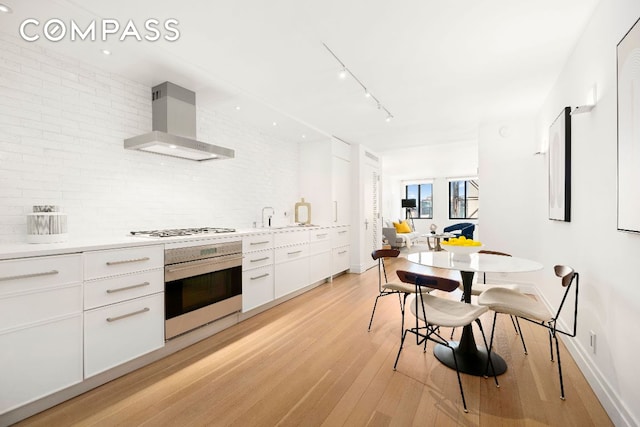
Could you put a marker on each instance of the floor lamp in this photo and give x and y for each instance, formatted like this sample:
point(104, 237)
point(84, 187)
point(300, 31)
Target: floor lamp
point(409, 204)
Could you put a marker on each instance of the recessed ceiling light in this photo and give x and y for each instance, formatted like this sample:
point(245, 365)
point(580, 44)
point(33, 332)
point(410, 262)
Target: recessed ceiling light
point(106, 51)
point(5, 9)
point(237, 107)
point(342, 74)
point(275, 123)
point(172, 146)
point(304, 136)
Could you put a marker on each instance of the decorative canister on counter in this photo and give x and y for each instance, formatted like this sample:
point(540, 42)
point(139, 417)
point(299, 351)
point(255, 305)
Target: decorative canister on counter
point(46, 225)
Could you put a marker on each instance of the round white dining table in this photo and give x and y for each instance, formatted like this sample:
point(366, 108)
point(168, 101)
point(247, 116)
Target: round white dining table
point(471, 358)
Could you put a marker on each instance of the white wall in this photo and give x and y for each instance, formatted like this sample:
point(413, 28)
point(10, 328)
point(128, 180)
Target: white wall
point(62, 126)
point(430, 162)
point(514, 212)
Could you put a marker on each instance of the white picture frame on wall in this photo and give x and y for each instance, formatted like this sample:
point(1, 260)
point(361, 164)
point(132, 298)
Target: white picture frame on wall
point(560, 167)
point(628, 82)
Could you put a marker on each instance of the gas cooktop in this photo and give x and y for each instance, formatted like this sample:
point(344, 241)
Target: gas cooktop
point(176, 232)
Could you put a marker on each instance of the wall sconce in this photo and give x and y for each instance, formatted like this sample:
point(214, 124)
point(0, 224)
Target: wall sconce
point(591, 102)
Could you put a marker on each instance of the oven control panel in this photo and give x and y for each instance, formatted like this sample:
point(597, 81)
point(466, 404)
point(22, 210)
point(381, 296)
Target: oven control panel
point(193, 253)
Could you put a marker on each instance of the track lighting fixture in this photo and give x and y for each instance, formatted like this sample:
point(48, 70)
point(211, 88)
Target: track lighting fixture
point(342, 74)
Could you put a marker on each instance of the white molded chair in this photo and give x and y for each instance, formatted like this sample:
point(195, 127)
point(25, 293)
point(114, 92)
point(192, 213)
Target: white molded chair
point(515, 303)
point(435, 312)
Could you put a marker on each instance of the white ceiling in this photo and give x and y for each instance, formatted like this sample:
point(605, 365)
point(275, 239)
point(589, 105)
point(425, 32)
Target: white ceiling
point(440, 67)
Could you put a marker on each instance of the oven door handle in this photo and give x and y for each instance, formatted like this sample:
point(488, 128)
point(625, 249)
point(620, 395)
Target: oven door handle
point(202, 266)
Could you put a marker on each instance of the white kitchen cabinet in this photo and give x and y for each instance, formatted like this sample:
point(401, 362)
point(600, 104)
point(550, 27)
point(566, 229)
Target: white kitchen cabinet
point(111, 290)
point(120, 332)
point(340, 259)
point(40, 327)
point(291, 276)
point(257, 287)
point(325, 181)
point(319, 254)
point(257, 242)
point(341, 250)
point(113, 262)
point(291, 255)
point(257, 271)
point(123, 305)
point(257, 259)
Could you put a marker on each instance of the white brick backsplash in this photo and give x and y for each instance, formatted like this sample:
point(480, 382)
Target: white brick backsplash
point(62, 126)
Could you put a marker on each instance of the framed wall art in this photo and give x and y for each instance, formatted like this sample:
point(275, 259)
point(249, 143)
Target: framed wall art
point(628, 76)
point(560, 167)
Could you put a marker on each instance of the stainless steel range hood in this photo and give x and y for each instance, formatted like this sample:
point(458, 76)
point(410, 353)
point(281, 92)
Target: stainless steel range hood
point(174, 127)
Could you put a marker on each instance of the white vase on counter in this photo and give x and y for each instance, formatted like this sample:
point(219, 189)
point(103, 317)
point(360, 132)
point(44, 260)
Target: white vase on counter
point(46, 225)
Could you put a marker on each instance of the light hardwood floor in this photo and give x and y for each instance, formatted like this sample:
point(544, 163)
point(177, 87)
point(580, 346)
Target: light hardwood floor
point(310, 361)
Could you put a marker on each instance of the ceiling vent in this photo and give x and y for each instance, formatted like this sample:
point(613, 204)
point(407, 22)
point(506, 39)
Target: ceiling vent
point(174, 127)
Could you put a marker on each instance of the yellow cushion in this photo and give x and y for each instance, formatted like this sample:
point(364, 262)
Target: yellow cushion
point(402, 227)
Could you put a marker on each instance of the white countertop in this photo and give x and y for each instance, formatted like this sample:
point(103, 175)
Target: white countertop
point(75, 245)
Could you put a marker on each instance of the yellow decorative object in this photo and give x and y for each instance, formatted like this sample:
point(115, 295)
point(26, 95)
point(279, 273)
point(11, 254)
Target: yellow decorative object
point(461, 241)
point(302, 212)
point(402, 227)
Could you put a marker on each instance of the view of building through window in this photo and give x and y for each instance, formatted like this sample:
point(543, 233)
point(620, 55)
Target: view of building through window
point(423, 193)
point(464, 199)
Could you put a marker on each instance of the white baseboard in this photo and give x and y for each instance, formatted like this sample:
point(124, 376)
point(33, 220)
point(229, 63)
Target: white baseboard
point(615, 408)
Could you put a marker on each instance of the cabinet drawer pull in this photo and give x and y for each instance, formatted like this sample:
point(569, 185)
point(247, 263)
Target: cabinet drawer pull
point(26, 276)
point(322, 235)
point(259, 259)
point(259, 243)
point(342, 232)
point(110, 291)
point(260, 276)
point(127, 261)
point(293, 253)
point(342, 252)
point(113, 319)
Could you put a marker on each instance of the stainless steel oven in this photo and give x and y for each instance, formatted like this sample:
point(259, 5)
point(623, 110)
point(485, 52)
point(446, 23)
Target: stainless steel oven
point(202, 284)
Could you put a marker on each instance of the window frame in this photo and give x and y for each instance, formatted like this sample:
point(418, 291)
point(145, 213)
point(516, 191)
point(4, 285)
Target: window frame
point(418, 209)
point(473, 182)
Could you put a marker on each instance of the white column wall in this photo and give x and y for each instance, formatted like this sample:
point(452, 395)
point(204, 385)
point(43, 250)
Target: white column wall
point(515, 210)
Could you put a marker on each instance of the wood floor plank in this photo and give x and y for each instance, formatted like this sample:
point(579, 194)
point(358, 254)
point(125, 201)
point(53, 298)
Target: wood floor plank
point(311, 361)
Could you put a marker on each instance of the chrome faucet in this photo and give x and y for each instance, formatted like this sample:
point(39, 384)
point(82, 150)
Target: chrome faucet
point(270, 216)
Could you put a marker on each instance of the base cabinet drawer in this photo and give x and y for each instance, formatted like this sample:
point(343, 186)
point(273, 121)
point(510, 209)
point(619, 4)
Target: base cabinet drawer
point(39, 360)
point(341, 259)
point(291, 276)
point(122, 261)
point(101, 292)
point(257, 287)
point(121, 332)
point(319, 266)
point(29, 307)
point(257, 259)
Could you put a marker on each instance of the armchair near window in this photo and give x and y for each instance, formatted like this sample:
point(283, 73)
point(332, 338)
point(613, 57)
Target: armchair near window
point(465, 229)
point(398, 239)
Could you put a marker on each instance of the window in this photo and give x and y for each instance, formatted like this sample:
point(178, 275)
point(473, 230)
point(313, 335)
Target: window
point(423, 193)
point(464, 199)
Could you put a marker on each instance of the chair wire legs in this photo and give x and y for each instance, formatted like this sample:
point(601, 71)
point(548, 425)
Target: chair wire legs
point(429, 332)
point(553, 337)
point(375, 304)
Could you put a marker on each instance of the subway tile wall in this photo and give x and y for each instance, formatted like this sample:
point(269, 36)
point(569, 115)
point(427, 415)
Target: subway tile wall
point(62, 127)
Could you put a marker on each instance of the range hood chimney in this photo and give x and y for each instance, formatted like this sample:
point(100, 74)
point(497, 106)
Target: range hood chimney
point(174, 127)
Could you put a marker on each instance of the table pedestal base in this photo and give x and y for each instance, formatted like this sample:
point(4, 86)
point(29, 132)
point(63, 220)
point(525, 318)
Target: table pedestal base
point(469, 362)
